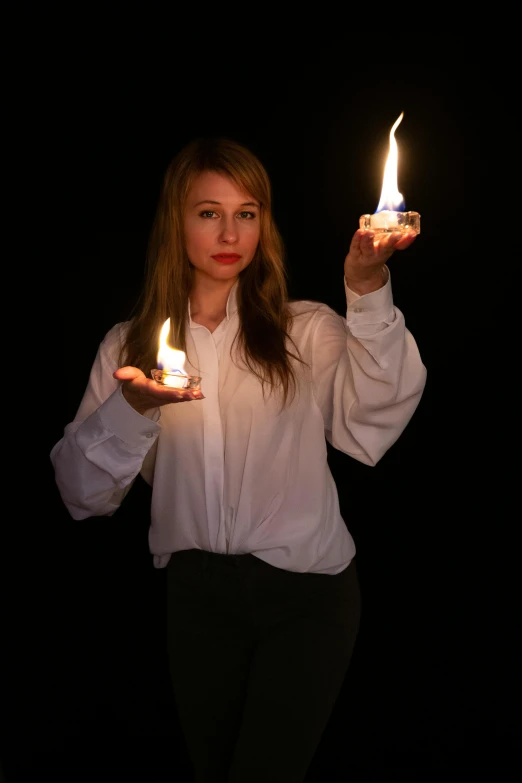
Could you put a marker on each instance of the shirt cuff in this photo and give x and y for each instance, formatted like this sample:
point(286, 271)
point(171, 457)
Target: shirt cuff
point(128, 425)
point(373, 308)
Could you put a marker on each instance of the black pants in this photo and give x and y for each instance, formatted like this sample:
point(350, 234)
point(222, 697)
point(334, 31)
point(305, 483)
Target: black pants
point(257, 656)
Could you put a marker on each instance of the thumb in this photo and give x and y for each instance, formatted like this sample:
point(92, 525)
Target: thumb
point(127, 373)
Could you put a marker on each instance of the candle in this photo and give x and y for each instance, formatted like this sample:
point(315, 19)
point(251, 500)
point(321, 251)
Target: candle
point(388, 216)
point(171, 371)
point(385, 219)
point(176, 380)
point(173, 379)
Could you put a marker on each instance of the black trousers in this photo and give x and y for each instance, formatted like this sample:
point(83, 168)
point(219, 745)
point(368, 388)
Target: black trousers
point(257, 658)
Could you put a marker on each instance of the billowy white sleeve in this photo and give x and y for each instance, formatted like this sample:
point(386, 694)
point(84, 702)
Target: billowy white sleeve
point(103, 448)
point(367, 374)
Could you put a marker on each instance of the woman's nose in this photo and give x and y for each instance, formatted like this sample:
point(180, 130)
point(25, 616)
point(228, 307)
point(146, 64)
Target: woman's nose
point(228, 231)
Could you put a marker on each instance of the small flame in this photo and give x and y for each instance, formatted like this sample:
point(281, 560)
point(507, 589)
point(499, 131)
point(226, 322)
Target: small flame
point(169, 358)
point(391, 199)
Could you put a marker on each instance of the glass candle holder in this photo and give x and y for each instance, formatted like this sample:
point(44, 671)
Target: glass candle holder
point(386, 222)
point(176, 380)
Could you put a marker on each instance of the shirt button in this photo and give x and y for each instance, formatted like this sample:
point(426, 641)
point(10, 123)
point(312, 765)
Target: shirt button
point(149, 434)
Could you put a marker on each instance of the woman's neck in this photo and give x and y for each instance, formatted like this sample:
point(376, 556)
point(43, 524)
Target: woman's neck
point(208, 301)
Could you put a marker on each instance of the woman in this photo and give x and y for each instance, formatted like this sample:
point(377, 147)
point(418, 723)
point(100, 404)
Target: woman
point(263, 593)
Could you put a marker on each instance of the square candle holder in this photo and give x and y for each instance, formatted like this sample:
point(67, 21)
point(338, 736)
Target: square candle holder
point(176, 380)
point(388, 222)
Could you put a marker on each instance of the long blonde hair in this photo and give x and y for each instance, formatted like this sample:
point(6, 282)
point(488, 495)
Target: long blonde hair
point(262, 296)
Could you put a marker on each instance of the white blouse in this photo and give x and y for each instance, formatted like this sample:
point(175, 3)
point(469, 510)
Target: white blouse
point(232, 473)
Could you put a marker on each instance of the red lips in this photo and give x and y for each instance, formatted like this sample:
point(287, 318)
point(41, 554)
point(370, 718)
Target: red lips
point(226, 258)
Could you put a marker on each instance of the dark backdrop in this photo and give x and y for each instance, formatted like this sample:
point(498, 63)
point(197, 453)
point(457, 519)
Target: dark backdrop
point(434, 683)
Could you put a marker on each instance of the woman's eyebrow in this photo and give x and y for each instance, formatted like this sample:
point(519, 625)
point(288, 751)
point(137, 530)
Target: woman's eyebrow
point(218, 203)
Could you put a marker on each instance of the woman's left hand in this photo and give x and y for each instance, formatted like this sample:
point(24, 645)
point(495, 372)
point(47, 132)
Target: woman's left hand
point(364, 265)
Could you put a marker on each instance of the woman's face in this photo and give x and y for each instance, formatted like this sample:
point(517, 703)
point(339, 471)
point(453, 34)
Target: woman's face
point(221, 225)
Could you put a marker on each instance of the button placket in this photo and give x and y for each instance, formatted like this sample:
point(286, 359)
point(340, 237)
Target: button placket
point(212, 436)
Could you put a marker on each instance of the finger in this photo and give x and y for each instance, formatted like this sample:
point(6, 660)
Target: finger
point(127, 373)
point(406, 241)
point(361, 238)
point(386, 244)
point(389, 240)
point(193, 394)
point(189, 395)
point(367, 244)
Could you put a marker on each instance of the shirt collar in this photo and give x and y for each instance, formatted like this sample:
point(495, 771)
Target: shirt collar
point(231, 306)
point(232, 300)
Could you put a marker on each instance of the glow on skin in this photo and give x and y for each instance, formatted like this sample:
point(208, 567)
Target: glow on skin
point(219, 219)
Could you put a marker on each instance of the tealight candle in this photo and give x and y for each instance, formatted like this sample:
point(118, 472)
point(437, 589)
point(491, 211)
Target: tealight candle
point(388, 221)
point(176, 380)
point(388, 218)
point(172, 365)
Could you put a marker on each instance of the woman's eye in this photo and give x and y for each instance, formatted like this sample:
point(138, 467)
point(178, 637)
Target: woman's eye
point(210, 214)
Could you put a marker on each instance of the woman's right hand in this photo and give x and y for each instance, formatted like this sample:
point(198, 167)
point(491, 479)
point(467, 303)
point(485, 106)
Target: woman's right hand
point(143, 393)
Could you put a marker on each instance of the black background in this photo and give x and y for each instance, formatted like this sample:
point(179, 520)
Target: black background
point(433, 688)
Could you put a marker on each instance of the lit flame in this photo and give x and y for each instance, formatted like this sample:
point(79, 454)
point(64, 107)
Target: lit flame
point(391, 199)
point(169, 358)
